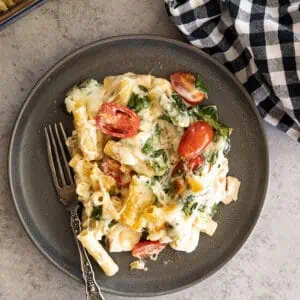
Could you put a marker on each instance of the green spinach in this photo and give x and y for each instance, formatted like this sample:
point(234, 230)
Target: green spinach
point(158, 130)
point(178, 103)
point(97, 213)
point(202, 208)
point(148, 147)
point(166, 118)
point(143, 88)
point(212, 157)
point(154, 179)
point(156, 166)
point(138, 103)
point(189, 206)
point(160, 152)
point(209, 115)
point(214, 209)
point(199, 84)
point(112, 223)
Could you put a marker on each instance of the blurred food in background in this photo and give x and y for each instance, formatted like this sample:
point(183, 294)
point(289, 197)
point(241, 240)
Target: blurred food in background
point(6, 4)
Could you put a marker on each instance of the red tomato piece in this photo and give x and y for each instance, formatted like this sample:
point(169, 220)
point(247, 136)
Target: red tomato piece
point(117, 120)
point(147, 248)
point(112, 168)
point(192, 164)
point(195, 139)
point(184, 85)
point(195, 163)
point(178, 169)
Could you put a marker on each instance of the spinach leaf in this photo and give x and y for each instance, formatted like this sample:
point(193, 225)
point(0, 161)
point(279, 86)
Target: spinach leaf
point(190, 198)
point(168, 226)
point(199, 84)
point(168, 190)
point(212, 158)
point(154, 179)
point(142, 103)
point(143, 88)
point(132, 100)
point(115, 192)
point(202, 208)
point(159, 166)
point(223, 130)
point(158, 130)
point(209, 111)
point(209, 115)
point(193, 207)
point(227, 147)
point(155, 165)
point(178, 103)
point(97, 212)
point(160, 152)
point(166, 118)
point(138, 103)
point(199, 170)
point(189, 206)
point(214, 209)
point(112, 223)
point(148, 147)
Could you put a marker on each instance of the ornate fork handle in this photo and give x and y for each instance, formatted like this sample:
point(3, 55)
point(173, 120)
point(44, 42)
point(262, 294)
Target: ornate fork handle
point(92, 289)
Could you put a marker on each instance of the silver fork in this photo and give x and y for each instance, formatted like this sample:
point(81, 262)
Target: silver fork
point(66, 190)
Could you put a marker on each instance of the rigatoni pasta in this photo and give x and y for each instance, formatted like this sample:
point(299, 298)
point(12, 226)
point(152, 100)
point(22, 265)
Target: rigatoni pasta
point(96, 250)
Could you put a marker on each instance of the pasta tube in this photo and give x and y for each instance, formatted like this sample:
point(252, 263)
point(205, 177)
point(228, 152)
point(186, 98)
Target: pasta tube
point(95, 249)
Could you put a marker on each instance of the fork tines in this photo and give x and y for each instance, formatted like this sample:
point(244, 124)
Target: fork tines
point(56, 148)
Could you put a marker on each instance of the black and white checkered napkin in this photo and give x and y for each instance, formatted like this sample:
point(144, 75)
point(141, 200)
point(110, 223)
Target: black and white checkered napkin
point(259, 42)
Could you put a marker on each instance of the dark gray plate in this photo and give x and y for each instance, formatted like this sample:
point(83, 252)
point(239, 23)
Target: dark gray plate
point(47, 222)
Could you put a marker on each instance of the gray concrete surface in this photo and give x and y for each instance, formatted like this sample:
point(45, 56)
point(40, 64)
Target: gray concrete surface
point(267, 267)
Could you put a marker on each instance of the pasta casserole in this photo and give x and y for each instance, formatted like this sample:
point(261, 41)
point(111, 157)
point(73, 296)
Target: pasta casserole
point(150, 165)
point(6, 4)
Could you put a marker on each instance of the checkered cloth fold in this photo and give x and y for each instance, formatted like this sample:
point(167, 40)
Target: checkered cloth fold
point(259, 42)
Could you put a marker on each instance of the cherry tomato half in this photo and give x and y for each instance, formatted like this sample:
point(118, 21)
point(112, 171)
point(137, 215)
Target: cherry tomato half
point(112, 168)
point(117, 120)
point(184, 85)
point(147, 248)
point(178, 169)
point(192, 164)
point(195, 139)
point(195, 163)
